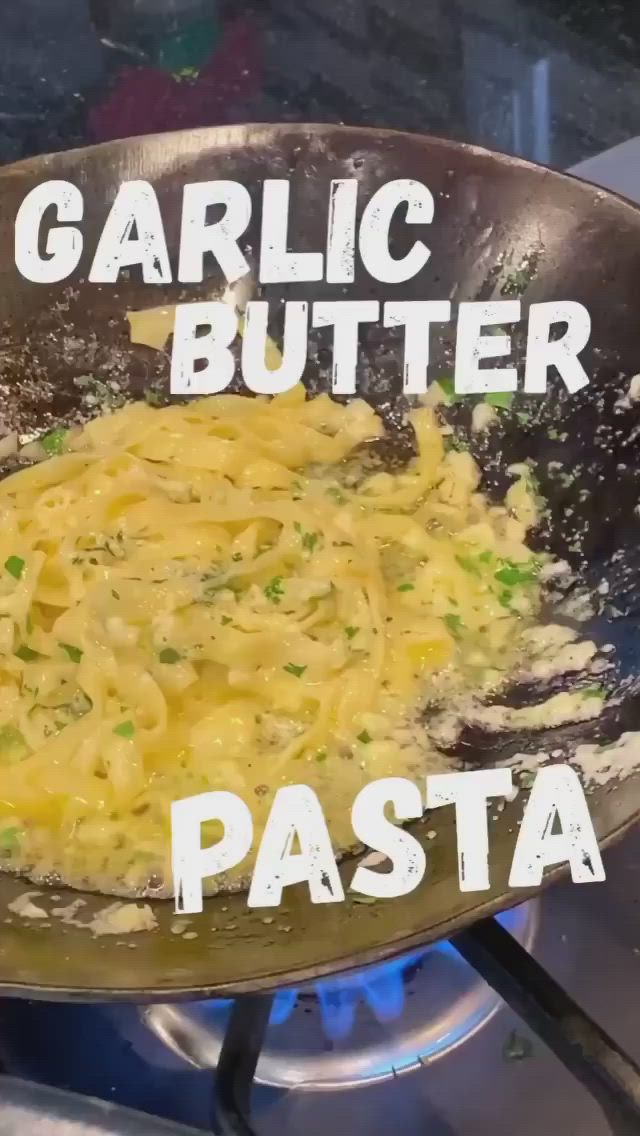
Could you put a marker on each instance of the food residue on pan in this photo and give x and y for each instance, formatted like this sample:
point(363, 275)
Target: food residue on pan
point(26, 908)
point(118, 918)
point(598, 764)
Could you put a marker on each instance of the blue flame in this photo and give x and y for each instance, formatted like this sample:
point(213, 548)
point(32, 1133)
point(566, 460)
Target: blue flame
point(381, 987)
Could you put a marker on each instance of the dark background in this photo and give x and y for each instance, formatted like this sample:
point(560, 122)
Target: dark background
point(552, 81)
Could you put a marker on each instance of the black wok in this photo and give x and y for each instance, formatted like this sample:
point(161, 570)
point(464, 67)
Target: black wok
point(503, 227)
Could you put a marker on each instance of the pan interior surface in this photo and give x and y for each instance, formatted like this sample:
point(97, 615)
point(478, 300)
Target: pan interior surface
point(502, 228)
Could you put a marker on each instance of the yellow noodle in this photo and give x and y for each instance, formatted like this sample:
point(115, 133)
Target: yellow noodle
point(198, 597)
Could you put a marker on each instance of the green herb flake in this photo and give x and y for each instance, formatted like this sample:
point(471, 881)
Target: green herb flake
point(500, 399)
point(351, 632)
point(27, 654)
point(54, 442)
point(485, 557)
point(514, 574)
point(321, 755)
point(274, 590)
point(309, 539)
point(405, 587)
point(9, 839)
point(224, 619)
point(12, 743)
point(125, 729)
point(505, 598)
point(454, 623)
point(169, 655)
point(365, 737)
point(594, 692)
point(469, 564)
point(294, 669)
point(448, 388)
point(15, 566)
point(74, 653)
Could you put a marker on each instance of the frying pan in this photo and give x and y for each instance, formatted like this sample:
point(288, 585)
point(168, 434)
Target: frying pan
point(503, 227)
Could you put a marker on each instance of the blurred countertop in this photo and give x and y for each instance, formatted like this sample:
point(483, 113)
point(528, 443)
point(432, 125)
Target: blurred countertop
point(554, 82)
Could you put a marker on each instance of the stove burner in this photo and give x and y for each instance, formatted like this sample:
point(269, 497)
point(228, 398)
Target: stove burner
point(363, 1027)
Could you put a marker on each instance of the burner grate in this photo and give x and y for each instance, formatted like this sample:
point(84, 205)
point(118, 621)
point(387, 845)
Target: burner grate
point(611, 1077)
point(359, 1028)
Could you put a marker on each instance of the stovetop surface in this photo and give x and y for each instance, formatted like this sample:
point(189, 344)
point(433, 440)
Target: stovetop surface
point(553, 80)
point(500, 1080)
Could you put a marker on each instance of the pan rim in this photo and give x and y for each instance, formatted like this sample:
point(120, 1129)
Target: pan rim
point(260, 134)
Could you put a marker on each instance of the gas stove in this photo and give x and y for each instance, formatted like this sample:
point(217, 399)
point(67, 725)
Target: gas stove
point(491, 1033)
point(422, 1042)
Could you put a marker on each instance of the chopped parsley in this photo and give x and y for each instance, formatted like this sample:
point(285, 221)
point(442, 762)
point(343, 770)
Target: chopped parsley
point(55, 441)
point(365, 737)
point(125, 729)
point(513, 574)
point(405, 587)
point(294, 669)
point(351, 632)
point(309, 539)
point(74, 653)
point(454, 622)
point(485, 556)
point(500, 399)
point(12, 739)
point(27, 654)
point(15, 566)
point(321, 755)
point(274, 590)
point(448, 388)
point(469, 564)
point(505, 598)
point(224, 619)
point(169, 655)
point(593, 692)
point(9, 839)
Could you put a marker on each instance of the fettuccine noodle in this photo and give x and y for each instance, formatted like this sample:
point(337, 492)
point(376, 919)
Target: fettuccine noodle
point(205, 596)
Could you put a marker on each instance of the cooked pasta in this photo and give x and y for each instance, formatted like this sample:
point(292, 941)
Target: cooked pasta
point(208, 596)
